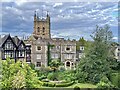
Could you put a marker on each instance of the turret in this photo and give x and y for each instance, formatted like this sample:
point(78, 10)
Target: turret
point(48, 17)
point(35, 16)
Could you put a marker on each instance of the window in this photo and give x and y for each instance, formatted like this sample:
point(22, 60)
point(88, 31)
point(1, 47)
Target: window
point(54, 56)
point(38, 48)
point(38, 64)
point(21, 53)
point(72, 63)
point(38, 56)
point(43, 29)
point(8, 46)
point(68, 64)
point(81, 47)
point(8, 54)
point(38, 29)
point(68, 48)
point(68, 56)
point(117, 54)
point(57, 47)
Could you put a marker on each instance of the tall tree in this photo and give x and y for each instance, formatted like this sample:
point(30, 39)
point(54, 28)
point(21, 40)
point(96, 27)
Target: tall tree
point(96, 62)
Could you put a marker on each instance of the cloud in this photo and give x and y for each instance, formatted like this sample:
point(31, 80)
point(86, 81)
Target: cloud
point(115, 38)
point(75, 19)
point(57, 4)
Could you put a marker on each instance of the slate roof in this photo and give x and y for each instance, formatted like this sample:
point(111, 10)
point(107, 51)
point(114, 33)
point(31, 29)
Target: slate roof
point(15, 39)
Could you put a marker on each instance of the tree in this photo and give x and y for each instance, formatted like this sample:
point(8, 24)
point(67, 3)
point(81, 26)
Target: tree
point(80, 42)
point(54, 64)
point(95, 64)
point(18, 75)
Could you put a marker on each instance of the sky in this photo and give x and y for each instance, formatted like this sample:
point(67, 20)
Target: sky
point(68, 19)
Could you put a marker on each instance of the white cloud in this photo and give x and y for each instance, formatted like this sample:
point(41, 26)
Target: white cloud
point(57, 4)
point(115, 38)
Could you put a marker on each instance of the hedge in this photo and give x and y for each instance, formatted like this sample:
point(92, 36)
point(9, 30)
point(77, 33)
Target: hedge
point(49, 84)
point(64, 84)
point(42, 77)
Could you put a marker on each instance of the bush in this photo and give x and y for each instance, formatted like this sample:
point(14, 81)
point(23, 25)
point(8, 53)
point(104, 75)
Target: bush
point(104, 86)
point(61, 68)
point(76, 88)
point(52, 76)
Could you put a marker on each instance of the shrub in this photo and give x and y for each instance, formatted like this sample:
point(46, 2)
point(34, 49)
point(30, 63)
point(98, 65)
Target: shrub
point(51, 84)
point(76, 88)
point(52, 76)
point(104, 86)
point(61, 68)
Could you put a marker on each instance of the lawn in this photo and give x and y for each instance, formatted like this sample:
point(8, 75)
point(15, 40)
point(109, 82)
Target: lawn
point(82, 85)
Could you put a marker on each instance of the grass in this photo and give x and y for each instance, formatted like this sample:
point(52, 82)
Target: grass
point(83, 85)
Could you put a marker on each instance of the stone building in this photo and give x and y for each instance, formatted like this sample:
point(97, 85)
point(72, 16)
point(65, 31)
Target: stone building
point(42, 44)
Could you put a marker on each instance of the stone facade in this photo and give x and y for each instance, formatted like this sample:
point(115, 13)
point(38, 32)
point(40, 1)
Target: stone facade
point(63, 50)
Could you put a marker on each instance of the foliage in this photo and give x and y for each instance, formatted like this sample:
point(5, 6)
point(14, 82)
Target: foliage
point(95, 65)
point(62, 68)
point(54, 64)
point(115, 78)
point(76, 88)
point(52, 76)
point(80, 42)
point(104, 86)
point(48, 53)
point(18, 75)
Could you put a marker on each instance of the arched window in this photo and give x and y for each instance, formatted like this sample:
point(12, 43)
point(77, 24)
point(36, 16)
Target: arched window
point(68, 64)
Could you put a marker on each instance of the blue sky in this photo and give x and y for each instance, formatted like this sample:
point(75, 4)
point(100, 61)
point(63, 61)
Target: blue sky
point(68, 19)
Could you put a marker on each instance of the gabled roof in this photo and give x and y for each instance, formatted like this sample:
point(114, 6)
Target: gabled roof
point(20, 42)
point(5, 38)
point(16, 40)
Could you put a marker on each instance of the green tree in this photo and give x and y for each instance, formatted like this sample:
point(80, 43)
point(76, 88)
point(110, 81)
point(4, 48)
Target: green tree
point(80, 42)
point(95, 64)
point(54, 64)
point(18, 75)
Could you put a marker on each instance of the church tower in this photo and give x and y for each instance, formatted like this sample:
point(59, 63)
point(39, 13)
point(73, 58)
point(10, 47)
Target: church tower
point(41, 27)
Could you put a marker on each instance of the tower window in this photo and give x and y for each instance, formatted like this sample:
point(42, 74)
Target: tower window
point(43, 29)
point(38, 29)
